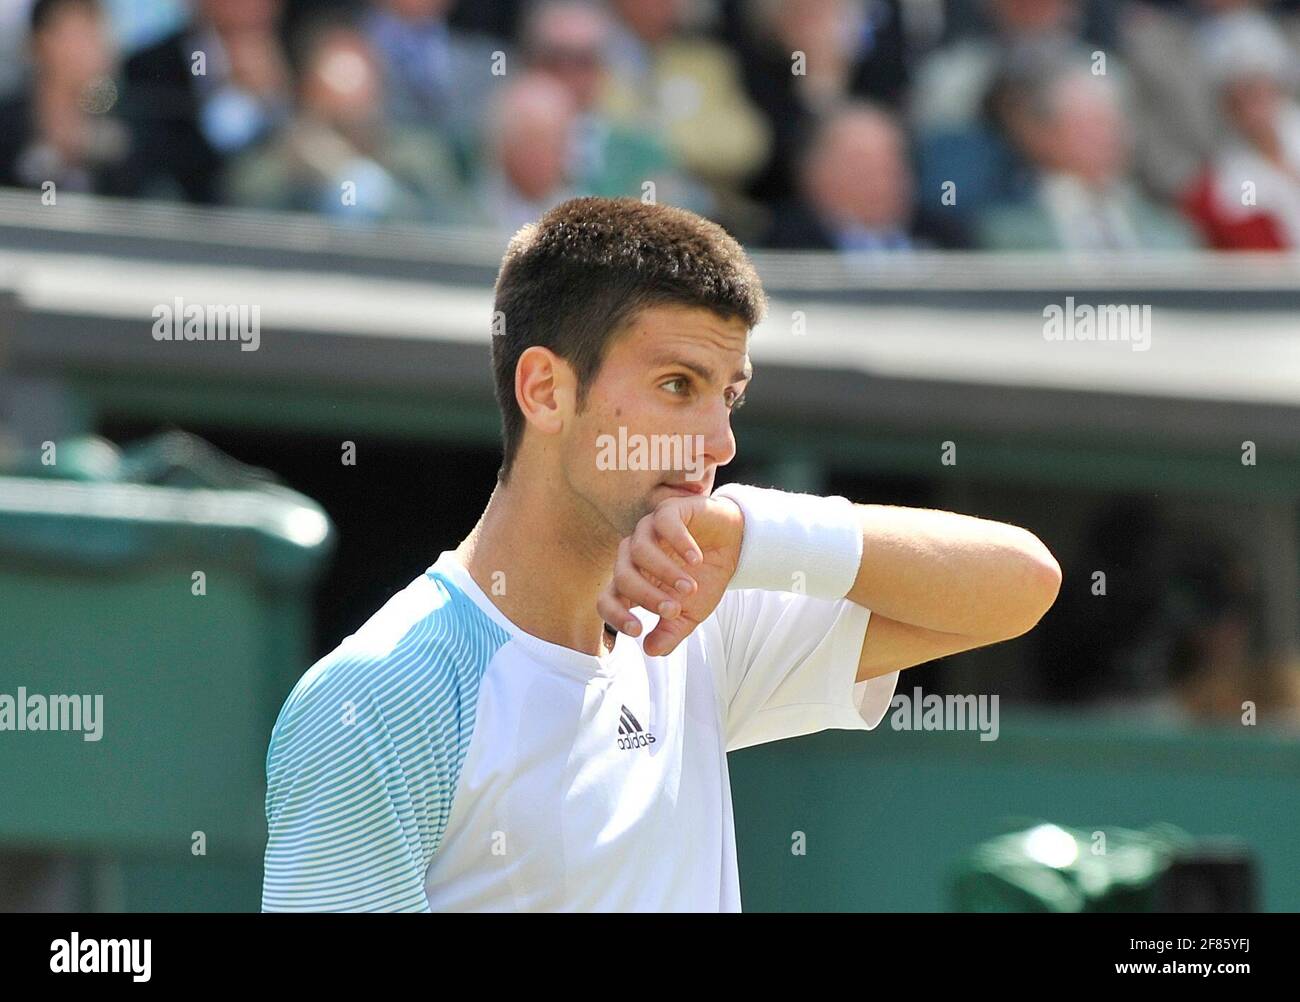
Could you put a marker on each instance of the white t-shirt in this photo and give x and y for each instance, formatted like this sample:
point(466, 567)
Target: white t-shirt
point(442, 759)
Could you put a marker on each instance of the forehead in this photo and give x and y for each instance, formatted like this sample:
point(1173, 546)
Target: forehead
point(657, 333)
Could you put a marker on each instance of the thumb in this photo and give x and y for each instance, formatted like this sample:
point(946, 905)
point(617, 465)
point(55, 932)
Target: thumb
point(665, 637)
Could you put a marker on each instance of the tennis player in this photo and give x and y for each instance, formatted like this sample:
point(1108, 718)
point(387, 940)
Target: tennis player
point(541, 721)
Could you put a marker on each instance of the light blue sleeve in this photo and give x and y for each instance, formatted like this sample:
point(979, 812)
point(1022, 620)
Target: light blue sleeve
point(363, 763)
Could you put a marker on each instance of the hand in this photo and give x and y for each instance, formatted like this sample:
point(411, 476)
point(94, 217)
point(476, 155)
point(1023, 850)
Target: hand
point(677, 563)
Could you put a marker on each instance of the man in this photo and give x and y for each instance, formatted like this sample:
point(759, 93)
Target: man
point(567, 40)
point(857, 191)
point(205, 94)
point(338, 134)
point(436, 75)
point(515, 731)
point(1252, 69)
point(529, 152)
point(63, 127)
point(849, 51)
point(1070, 128)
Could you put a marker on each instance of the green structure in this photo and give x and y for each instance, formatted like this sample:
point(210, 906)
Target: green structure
point(158, 627)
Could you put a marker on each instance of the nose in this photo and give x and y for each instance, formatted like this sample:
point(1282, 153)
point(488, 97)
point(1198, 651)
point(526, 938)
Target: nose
point(720, 441)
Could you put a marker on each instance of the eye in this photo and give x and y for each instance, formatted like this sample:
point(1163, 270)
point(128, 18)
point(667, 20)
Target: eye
point(676, 380)
point(735, 400)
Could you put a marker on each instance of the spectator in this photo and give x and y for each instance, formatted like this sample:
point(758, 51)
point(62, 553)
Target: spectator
point(567, 40)
point(1068, 126)
point(530, 148)
point(857, 191)
point(205, 94)
point(687, 91)
point(59, 127)
point(953, 83)
point(1173, 104)
point(1177, 108)
point(850, 49)
point(339, 156)
point(1248, 195)
point(437, 76)
point(952, 87)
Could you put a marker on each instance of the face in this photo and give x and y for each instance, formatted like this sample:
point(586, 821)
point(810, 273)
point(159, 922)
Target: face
point(535, 141)
point(1090, 133)
point(1030, 16)
point(861, 174)
point(657, 418)
point(341, 84)
point(74, 47)
point(415, 10)
point(815, 25)
point(570, 46)
point(242, 15)
point(651, 20)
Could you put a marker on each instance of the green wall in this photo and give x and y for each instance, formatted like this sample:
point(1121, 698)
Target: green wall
point(886, 813)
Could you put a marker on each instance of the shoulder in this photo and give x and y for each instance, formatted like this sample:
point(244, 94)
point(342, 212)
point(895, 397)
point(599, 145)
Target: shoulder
point(1024, 225)
point(413, 667)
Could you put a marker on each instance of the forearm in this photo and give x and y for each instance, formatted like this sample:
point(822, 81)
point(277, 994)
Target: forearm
point(953, 573)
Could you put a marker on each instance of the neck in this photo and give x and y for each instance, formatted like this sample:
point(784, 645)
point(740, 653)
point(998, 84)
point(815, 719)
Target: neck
point(535, 555)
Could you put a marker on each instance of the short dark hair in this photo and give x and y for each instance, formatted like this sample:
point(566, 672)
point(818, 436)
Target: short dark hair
point(576, 278)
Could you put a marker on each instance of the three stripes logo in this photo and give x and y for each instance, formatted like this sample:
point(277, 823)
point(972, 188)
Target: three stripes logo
point(630, 733)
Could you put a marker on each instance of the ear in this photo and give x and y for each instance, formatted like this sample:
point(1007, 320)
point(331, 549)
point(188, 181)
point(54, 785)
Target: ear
point(544, 389)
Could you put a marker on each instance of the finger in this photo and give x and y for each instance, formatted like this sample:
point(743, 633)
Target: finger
point(667, 634)
point(640, 589)
point(649, 555)
point(634, 586)
point(615, 611)
point(670, 525)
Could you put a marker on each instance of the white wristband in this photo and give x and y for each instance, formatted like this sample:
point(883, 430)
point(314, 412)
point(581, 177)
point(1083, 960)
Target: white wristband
point(796, 539)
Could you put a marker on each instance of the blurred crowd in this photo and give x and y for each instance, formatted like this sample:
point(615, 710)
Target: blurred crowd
point(857, 125)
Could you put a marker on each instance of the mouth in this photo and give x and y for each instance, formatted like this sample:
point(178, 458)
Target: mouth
point(689, 487)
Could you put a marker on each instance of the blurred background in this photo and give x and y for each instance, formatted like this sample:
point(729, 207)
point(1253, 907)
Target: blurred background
point(186, 525)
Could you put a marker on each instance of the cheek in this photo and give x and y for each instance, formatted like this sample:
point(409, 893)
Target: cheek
point(583, 443)
point(592, 447)
point(613, 405)
point(601, 452)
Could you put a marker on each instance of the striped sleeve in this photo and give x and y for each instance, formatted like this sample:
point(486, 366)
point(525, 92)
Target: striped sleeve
point(361, 769)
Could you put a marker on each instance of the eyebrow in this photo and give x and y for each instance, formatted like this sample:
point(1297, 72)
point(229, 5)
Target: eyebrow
point(703, 371)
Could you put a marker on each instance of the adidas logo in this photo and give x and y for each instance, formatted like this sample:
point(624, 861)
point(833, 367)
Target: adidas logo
point(631, 735)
